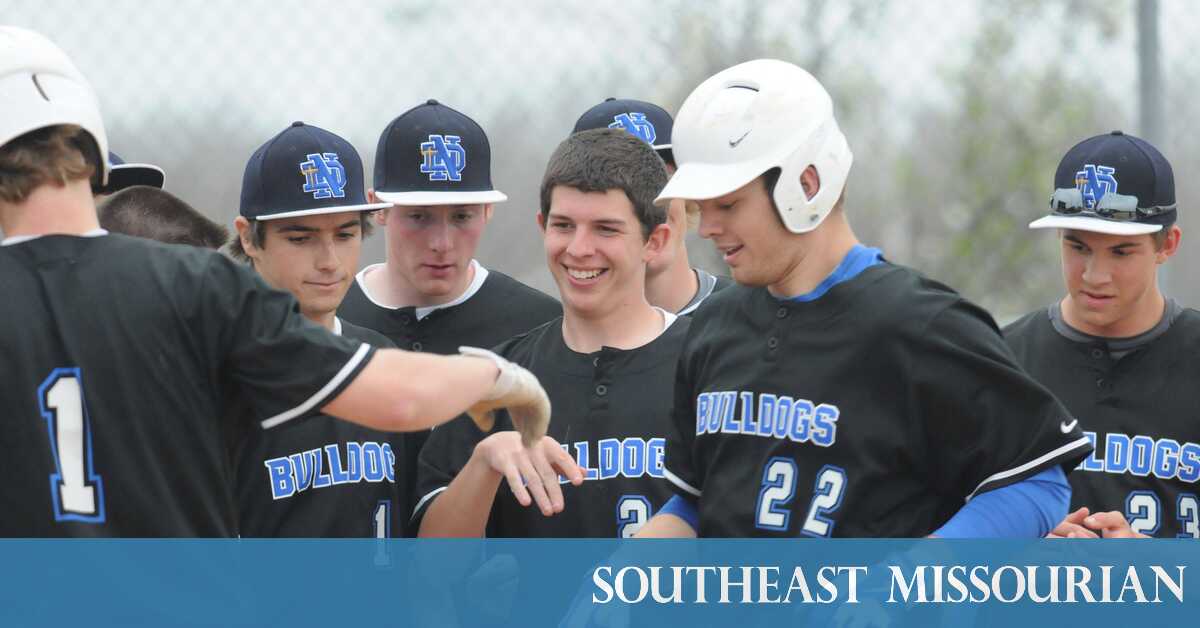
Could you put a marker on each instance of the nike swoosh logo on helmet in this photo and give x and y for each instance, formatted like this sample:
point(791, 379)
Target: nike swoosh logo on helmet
point(734, 143)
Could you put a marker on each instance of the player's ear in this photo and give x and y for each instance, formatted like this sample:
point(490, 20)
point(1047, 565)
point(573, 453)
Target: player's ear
point(810, 180)
point(245, 233)
point(487, 212)
point(656, 242)
point(1170, 244)
point(541, 221)
point(379, 216)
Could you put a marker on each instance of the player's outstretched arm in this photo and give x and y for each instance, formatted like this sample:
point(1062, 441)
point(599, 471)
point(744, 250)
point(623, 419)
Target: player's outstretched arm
point(406, 391)
point(666, 526)
point(462, 510)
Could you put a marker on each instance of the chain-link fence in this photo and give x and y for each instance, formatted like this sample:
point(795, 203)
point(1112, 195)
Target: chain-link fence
point(957, 111)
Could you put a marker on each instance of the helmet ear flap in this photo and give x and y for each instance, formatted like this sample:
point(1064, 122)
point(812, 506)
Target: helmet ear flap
point(832, 160)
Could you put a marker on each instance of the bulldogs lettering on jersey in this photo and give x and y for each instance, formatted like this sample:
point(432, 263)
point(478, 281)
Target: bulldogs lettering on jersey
point(609, 458)
point(768, 416)
point(330, 465)
point(1141, 455)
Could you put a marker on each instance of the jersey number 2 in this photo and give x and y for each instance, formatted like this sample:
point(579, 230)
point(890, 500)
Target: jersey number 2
point(779, 487)
point(633, 511)
point(75, 490)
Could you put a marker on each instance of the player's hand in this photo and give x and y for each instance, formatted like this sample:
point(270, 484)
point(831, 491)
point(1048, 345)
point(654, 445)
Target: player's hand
point(1112, 525)
point(516, 389)
point(532, 472)
point(1072, 527)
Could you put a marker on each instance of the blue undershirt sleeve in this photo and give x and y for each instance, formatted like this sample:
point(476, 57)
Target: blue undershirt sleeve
point(685, 509)
point(1030, 508)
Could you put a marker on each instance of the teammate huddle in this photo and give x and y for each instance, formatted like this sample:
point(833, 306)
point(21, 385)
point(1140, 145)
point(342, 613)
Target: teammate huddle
point(828, 392)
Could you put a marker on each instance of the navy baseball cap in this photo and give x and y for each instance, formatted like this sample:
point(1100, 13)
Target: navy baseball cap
point(647, 121)
point(1112, 183)
point(123, 175)
point(304, 171)
point(434, 155)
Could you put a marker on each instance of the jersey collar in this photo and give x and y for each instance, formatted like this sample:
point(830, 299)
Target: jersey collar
point(481, 274)
point(94, 233)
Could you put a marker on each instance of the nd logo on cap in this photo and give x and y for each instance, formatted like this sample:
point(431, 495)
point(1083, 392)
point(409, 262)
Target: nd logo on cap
point(1094, 182)
point(443, 158)
point(324, 176)
point(636, 125)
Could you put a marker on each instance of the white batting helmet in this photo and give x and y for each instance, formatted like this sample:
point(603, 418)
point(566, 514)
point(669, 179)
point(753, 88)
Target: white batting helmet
point(750, 118)
point(40, 87)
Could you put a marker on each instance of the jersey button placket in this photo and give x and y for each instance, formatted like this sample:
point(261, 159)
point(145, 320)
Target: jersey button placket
point(602, 364)
point(775, 335)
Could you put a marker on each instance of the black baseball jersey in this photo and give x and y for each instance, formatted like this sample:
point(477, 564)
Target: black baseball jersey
point(611, 412)
point(119, 355)
point(1138, 410)
point(323, 477)
point(875, 410)
point(502, 308)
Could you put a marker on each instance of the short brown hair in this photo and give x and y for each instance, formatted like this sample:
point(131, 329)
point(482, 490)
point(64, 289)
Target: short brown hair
point(599, 160)
point(148, 212)
point(258, 235)
point(53, 155)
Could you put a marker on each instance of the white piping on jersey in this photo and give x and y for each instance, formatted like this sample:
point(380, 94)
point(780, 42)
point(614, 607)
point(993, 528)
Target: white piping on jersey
point(428, 496)
point(707, 291)
point(337, 326)
point(94, 233)
point(1083, 440)
point(668, 318)
point(481, 274)
point(320, 395)
point(675, 479)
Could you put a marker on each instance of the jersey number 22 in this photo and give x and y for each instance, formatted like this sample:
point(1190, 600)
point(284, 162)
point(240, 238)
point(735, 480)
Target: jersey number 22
point(772, 512)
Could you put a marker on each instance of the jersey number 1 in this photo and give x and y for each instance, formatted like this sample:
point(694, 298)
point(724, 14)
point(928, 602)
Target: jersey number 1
point(779, 487)
point(75, 490)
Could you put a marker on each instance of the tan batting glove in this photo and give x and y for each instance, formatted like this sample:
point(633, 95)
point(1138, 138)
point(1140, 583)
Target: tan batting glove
point(516, 389)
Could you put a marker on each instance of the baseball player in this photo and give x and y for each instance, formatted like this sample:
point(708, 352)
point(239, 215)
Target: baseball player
point(434, 165)
point(304, 215)
point(1119, 354)
point(832, 393)
point(121, 352)
point(149, 212)
point(671, 281)
point(604, 364)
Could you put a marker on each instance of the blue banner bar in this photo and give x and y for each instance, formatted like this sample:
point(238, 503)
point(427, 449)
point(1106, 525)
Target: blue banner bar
point(582, 583)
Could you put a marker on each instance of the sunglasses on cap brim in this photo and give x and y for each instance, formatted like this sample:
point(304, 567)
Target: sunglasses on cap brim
point(1122, 207)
